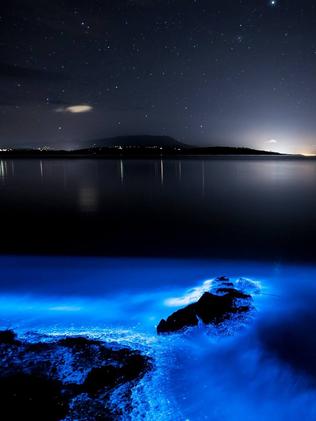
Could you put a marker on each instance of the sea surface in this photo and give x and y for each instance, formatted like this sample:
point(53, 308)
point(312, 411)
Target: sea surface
point(238, 207)
point(106, 248)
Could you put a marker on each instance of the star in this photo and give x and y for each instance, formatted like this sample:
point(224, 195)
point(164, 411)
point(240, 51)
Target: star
point(273, 3)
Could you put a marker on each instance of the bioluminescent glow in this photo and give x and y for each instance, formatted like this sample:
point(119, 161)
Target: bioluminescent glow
point(255, 363)
point(65, 308)
point(192, 295)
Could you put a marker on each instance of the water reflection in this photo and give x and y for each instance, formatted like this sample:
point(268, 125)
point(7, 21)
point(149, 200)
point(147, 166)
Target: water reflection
point(122, 171)
point(180, 170)
point(41, 169)
point(267, 206)
point(161, 172)
point(88, 199)
point(203, 177)
point(7, 170)
point(3, 171)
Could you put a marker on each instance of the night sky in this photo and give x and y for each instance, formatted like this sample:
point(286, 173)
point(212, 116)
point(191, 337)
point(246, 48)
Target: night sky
point(207, 72)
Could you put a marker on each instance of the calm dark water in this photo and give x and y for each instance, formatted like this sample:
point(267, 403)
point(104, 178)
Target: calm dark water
point(250, 208)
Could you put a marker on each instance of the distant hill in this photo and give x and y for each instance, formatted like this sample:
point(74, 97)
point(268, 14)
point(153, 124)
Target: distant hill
point(136, 151)
point(228, 150)
point(138, 141)
point(142, 145)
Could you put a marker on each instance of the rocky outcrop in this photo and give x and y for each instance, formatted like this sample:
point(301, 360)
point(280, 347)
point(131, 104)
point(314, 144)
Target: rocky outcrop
point(67, 378)
point(8, 337)
point(213, 307)
point(132, 365)
point(32, 397)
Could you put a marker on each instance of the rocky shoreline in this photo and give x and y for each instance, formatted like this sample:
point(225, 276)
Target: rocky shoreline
point(72, 378)
point(76, 378)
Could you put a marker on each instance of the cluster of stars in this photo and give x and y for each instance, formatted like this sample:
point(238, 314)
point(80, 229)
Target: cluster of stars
point(188, 68)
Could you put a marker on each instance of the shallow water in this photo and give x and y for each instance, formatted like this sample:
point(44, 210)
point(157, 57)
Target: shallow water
point(261, 368)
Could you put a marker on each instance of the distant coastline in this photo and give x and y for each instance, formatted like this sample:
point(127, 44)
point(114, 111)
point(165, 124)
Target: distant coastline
point(144, 146)
point(142, 152)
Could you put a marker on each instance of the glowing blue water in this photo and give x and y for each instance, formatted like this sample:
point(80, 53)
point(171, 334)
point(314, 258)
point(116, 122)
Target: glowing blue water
point(261, 368)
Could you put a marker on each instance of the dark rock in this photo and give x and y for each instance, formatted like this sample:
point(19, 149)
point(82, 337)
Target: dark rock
point(180, 319)
point(82, 348)
point(227, 284)
point(136, 366)
point(103, 377)
point(78, 342)
point(8, 337)
point(222, 278)
point(129, 368)
point(38, 347)
point(210, 308)
point(29, 397)
point(42, 380)
point(86, 407)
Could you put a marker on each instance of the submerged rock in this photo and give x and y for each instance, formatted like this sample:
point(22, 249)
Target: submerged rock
point(210, 308)
point(66, 378)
